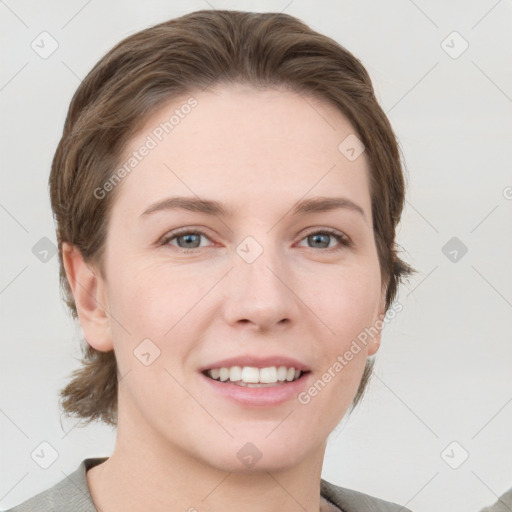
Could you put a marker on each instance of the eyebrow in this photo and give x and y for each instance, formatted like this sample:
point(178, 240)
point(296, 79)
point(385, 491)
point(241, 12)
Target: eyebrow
point(215, 208)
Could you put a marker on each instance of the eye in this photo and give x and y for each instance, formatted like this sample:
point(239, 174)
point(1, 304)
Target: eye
point(322, 239)
point(185, 239)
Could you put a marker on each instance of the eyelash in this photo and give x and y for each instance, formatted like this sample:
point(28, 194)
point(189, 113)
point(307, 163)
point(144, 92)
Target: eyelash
point(342, 239)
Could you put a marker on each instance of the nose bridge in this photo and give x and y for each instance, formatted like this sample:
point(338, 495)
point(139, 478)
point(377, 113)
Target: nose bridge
point(257, 291)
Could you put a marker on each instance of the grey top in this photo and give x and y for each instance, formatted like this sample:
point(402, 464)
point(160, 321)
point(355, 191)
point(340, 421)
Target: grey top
point(72, 493)
point(504, 503)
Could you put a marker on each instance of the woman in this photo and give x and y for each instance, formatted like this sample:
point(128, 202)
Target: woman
point(226, 192)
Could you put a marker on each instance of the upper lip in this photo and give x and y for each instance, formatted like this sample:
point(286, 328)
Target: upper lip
point(258, 362)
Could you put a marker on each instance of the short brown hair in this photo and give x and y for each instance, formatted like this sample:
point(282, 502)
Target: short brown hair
point(184, 54)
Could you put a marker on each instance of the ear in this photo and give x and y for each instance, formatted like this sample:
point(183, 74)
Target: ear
point(88, 289)
point(374, 345)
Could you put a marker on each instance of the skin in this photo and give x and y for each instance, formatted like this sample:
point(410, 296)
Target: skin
point(257, 152)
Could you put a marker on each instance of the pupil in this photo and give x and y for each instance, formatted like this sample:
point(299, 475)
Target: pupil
point(190, 238)
point(318, 238)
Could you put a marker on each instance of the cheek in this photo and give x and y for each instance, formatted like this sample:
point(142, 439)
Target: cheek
point(154, 316)
point(348, 307)
point(347, 303)
point(156, 296)
point(152, 303)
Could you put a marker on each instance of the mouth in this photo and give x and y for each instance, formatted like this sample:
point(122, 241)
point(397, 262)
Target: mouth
point(255, 377)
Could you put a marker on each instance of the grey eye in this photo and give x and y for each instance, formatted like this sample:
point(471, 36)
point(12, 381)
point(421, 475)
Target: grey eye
point(189, 240)
point(320, 240)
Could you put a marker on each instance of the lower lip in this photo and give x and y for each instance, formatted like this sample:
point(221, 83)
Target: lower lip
point(259, 397)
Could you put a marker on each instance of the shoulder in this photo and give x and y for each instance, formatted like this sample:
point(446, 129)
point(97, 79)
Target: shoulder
point(504, 503)
point(71, 492)
point(352, 501)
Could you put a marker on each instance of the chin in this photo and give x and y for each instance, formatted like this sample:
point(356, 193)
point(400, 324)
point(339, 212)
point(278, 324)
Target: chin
point(248, 457)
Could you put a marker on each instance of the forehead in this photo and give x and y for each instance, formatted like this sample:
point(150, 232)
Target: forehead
point(236, 143)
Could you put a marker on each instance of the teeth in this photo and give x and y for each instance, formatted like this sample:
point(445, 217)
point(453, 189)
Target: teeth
point(252, 375)
point(281, 373)
point(235, 373)
point(268, 375)
point(224, 374)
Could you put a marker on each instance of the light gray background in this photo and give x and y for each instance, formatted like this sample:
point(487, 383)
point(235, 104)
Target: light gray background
point(443, 372)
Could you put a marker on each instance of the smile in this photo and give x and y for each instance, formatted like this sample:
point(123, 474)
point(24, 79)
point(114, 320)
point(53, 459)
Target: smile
point(251, 376)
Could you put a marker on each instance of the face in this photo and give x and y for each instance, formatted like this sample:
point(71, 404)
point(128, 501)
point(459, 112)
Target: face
point(257, 276)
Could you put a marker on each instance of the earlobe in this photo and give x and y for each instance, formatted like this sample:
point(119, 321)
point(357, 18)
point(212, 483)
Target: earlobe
point(379, 324)
point(90, 298)
point(374, 344)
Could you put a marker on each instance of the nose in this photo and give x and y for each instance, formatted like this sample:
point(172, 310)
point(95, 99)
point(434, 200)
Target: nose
point(260, 293)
